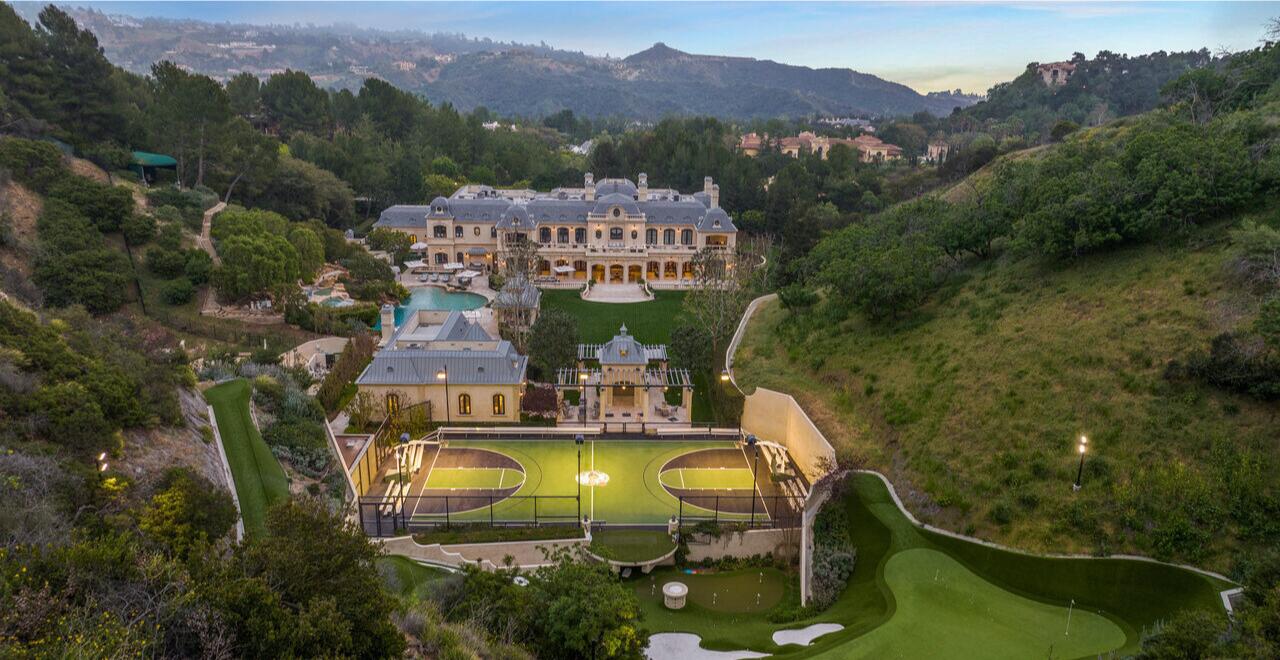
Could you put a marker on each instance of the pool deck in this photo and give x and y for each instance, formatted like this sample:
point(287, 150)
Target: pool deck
point(479, 286)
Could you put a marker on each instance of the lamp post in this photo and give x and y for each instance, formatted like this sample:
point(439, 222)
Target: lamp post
point(404, 442)
point(579, 440)
point(443, 374)
point(582, 399)
point(1084, 442)
point(751, 442)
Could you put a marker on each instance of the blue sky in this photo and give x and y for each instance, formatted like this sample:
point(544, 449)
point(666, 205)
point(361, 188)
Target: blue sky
point(927, 45)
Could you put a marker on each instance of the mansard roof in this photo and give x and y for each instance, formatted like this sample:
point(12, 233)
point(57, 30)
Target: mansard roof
point(562, 206)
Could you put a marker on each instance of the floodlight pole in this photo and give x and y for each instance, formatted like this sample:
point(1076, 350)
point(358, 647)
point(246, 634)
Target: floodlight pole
point(751, 442)
point(578, 440)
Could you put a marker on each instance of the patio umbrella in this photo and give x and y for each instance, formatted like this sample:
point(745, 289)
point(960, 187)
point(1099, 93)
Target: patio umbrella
point(418, 247)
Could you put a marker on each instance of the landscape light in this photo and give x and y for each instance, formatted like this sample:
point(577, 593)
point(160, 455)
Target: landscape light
point(102, 456)
point(724, 376)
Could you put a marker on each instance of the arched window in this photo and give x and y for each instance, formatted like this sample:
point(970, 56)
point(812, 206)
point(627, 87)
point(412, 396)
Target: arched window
point(651, 236)
point(634, 234)
point(668, 237)
point(686, 237)
point(440, 231)
point(562, 235)
point(598, 234)
point(464, 404)
point(499, 404)
point(580, 235)
point(615, 233)
point(493, 232)
point(457, 231)
point(459, 257)
point(544, 235)
point(393, 404)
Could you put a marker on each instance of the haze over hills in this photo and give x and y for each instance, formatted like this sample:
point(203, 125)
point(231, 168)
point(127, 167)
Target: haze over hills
point(511, 79)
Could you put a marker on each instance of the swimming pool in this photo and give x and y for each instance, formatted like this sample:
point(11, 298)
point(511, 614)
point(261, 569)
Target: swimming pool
point(430, 297)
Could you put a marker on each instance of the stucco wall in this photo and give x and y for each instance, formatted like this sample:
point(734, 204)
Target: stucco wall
point(776, 417)
point(754, 542)
point(481, 400)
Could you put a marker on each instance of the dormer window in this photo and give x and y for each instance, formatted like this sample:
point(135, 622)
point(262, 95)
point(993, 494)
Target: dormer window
point(617, 212)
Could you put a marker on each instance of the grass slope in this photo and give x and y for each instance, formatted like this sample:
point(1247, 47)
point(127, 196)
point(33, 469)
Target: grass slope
point(973, 406)
point(260, 481)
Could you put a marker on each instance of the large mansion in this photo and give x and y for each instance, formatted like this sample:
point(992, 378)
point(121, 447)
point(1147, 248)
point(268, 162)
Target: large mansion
point(611, 231)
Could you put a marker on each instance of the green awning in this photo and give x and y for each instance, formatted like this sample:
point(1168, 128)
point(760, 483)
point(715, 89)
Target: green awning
point(148, 159)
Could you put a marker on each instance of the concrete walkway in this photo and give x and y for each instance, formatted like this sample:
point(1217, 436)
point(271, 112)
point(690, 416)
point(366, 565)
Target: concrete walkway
point(617, 293)
point(205, 240)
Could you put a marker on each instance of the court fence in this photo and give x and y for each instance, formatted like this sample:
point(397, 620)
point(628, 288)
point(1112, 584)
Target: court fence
point(393, 516)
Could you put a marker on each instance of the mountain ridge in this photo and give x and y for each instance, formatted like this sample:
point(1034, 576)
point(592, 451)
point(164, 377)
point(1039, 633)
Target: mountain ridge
point(509, 78)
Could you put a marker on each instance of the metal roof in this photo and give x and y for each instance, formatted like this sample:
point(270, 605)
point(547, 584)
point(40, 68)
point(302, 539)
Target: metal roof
point(412, 366)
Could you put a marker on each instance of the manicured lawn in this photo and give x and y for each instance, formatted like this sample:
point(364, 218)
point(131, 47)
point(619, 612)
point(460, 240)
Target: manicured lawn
point(721, 607)
point(260, 481)
point(650, 322)
point(633, 493)
point(407, 578)
point(918, 594)
point(631, 544)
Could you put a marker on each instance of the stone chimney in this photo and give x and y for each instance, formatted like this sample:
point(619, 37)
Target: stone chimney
point(715, 196)
point(590, 185)
point(388, 324)
point(642, 190)
point(706, 185)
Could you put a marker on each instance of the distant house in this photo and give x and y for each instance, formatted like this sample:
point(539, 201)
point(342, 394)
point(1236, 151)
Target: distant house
point(936, 152)
point(750, 144)
point(448, 362)
point(869, 148)
point(1056, 74)
point(583, 149)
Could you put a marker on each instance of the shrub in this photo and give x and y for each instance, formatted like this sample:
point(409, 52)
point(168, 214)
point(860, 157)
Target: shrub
point(139, 229)
point(108, 207)
point(198, 266)
point(177, 292)
point(34, 163)
point(165, 262)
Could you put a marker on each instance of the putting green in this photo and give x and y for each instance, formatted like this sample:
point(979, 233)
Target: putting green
point(632, 495)
point(966, 616)
point(471, 478)
point(708, 478)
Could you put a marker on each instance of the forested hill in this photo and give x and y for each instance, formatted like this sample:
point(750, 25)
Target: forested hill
point(662, 80)
point(510, 79)
point(1101, 89)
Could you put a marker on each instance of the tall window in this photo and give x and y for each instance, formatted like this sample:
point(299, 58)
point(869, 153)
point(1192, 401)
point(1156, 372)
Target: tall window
point(668, 237)
point(686, 237)
point(441, 257)
point(464, 404)
point(459, 257)
point(499, 404)
point(440, 231)
point(651, 236)
point(544, 235)
point(580, 235)
point(457, 231)
point(615, 233)
point(562, 235)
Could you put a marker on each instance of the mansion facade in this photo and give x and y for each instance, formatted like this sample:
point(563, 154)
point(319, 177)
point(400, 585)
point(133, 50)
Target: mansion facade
point(611, 231)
